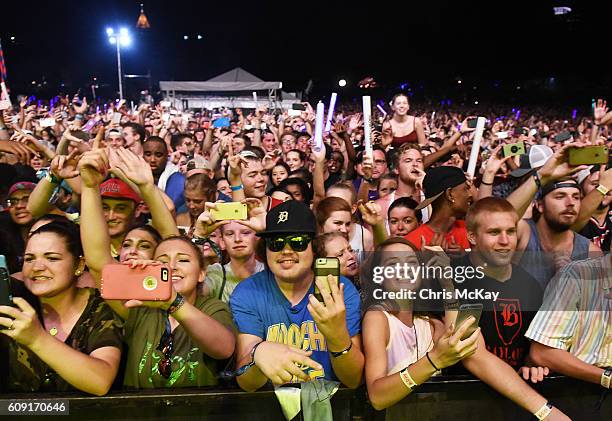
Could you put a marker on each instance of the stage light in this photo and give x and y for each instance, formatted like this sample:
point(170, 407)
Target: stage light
point(342, 83)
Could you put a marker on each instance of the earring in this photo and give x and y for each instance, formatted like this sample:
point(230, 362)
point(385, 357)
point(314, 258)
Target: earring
point(78, 272)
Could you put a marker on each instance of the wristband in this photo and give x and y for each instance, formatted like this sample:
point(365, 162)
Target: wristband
point(602, 189)
point(407, 379)
point(343, 352)
point(51, 178)
point(244, 368)
point(543, 411)
point(484, 183)
point(236, 188)
point(431, 362)
point(606, 378)
point(176, 304)
point(536, 178)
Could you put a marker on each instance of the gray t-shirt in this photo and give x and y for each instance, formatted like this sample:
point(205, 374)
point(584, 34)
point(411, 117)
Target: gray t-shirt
point(214, 279)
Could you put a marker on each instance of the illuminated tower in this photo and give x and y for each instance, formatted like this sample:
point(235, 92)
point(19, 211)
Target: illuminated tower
point(143, 22)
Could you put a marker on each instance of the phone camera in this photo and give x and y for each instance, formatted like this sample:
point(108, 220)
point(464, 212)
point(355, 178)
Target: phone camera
point(164, 275)
point(514, 149)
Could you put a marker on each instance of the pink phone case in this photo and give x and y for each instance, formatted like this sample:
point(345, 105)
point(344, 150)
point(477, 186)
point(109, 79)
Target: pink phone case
point(120, 282)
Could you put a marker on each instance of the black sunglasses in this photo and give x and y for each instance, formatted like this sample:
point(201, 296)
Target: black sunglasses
point(166, 347)
point(297, 242)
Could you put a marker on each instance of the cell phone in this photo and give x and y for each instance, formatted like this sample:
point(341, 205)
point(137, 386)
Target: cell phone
point(230, 211)
point(502, 135)
point(294, 113)
point(562, 137)
point(513, 149)
point(116, 118)
point(300, 107)
point(120, 282)
point(472, 122)
point(6, 296)
point(520, 131)
point(89, 125)
point(465, 311)
point(47, 122)
point(588, 155)
point(221, 122)
point(323, 267)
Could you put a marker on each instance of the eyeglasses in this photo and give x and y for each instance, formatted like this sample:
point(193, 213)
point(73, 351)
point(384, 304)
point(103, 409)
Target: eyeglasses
point(14, 201)
point(166, 347)
point(296, 242)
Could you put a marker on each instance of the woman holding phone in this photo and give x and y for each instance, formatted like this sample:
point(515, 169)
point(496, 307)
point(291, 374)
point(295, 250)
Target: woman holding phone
point(404, 347)
point(173, 343)
point(75, 342)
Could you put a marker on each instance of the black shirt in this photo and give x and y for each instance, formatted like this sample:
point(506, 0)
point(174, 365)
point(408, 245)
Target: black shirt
point(504, 322)
point(600, 235)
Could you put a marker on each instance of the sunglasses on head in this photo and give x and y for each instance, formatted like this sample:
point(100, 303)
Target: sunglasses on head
point(297, 242)
point(166, 347)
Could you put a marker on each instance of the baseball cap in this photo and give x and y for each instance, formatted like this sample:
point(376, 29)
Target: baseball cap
point(437, 180)
point(117, 189)
point(290, 217)
point(563, 183)
point(535, 158)
point(21, 185)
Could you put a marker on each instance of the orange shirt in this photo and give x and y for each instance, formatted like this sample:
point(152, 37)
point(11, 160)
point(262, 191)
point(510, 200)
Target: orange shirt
point(458, 231)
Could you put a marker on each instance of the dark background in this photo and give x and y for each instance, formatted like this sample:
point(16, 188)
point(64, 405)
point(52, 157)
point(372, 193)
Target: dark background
point(494, 46)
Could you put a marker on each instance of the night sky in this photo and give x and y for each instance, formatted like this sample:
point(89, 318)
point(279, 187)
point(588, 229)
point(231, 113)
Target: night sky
point(431, 42)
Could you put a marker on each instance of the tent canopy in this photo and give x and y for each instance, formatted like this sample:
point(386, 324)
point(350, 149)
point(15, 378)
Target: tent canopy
point(237, 79)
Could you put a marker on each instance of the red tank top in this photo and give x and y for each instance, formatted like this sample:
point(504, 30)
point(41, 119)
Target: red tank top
point(409, 138)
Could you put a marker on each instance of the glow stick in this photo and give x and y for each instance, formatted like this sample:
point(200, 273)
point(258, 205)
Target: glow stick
point(381, 109)
point(330, 111)
point(255, 98)
point(318, 134)
point(367, 118)
point(480, 124)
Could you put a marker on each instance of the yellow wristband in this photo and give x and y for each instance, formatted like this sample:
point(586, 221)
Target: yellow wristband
point(407, 379)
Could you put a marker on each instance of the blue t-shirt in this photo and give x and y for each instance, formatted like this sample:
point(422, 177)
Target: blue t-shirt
point(260, 308)
point(175, 187)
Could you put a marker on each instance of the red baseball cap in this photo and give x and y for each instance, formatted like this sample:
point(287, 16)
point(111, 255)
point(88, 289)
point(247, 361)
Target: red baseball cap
point(21, 185)
point(118, 189)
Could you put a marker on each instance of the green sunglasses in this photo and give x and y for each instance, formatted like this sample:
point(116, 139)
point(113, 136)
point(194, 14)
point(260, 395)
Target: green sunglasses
point(297, 242)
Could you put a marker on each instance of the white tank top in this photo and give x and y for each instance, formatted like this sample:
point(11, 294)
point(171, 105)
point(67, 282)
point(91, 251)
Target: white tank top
point(407, 343)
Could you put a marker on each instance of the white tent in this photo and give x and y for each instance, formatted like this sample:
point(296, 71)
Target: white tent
point(234, 88)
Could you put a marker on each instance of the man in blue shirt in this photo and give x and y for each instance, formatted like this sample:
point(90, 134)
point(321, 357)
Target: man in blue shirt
point(286, 335)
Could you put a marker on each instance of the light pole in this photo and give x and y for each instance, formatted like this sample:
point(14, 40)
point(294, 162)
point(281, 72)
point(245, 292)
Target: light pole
point(122, 39)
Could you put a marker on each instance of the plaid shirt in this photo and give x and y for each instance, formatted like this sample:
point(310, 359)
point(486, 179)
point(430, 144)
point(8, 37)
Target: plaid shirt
point(576, 314)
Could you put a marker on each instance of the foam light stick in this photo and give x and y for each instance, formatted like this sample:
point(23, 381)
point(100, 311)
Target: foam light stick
point(382, 110)
point(367, 124)
point(318, 134)
point(330, 112)
point(480, 125)
point(255, 98)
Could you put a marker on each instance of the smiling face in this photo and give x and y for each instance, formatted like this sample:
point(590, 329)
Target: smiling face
point(118, 214)
point(268, 142)
point(339, 247)
point(400, 105)
point(137, 244)
point(186, 270)
point(294, 161)
point(288, 265)
point(495, 237)
point(48, 267)
point(254, 178)
point(338, 221)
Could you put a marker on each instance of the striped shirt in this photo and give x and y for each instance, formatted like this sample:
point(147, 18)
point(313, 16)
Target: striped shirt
point(576, 314)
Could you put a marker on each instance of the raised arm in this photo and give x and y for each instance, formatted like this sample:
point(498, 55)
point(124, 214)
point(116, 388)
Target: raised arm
point(128, 165)
point(592, 200)
point(93, 167)
point(318, 176)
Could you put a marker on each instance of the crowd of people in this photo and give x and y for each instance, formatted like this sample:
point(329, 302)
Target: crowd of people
point(84, 186)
